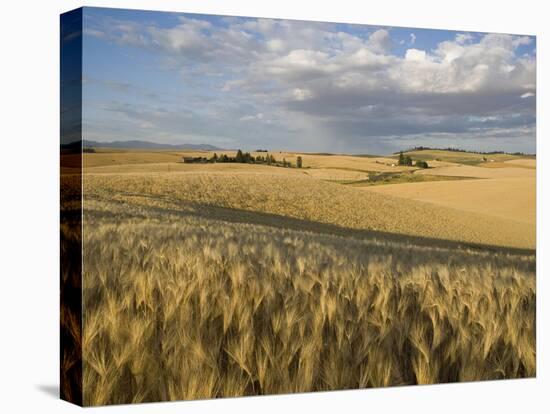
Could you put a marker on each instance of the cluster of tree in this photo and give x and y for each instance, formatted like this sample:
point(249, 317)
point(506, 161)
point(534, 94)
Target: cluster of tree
point(408, 161)
point(404, 160)
point(88, 149)
point(261, 150)
point(247, 158)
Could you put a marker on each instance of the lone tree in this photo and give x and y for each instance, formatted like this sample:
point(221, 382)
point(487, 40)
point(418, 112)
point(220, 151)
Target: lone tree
point(299, 162)
point(421, 164)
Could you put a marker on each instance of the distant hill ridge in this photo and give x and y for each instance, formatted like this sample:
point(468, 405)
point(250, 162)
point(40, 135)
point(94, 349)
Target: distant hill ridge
point(453, 149)
point(135, 144)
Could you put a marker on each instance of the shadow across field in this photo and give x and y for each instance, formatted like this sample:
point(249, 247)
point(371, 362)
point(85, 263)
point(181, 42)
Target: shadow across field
point(232, 215)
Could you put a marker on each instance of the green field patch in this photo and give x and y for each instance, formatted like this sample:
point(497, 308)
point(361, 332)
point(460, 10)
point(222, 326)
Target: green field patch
point(382, 178)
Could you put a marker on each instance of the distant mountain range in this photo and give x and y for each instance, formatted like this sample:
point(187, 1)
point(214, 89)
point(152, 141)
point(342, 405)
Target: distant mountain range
point(134, 144)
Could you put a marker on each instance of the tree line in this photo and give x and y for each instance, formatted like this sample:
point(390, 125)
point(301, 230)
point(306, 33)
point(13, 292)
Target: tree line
point(247, 158)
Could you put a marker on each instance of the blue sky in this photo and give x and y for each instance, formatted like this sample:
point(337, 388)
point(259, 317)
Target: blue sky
point(252, 83)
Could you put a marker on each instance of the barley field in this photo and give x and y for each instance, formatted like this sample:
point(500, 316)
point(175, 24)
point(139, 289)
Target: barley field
point(224, 283)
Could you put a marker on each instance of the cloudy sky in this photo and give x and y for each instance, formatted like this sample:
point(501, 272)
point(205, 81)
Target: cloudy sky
point(259, 83)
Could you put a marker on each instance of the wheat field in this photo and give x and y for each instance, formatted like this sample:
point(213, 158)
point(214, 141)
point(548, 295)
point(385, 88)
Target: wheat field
point(275, 192)
point(487, 196)
point(220, 285)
